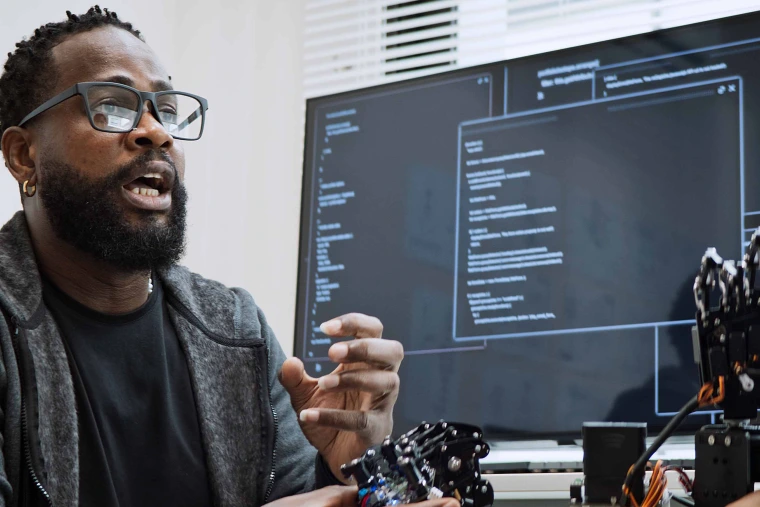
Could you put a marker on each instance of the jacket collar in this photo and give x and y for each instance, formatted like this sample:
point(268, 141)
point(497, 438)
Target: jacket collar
point(212, 305)
point(20, 285)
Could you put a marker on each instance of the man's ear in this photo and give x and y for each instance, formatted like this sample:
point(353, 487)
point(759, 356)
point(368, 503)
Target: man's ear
point(19, 154)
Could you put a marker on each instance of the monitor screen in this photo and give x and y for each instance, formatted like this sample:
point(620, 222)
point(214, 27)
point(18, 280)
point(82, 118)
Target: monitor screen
point(530, 229)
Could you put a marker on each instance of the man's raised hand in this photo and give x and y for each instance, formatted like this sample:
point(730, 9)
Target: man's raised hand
point(351, 409)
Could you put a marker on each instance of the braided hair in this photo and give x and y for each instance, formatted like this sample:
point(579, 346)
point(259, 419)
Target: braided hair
point(29, 73)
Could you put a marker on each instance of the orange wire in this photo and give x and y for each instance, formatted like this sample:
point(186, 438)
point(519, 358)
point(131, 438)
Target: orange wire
point(703, 392)
point(627, 492)
point(652, 486)
point(657, 484)
point(707, 395)
point(721, 387)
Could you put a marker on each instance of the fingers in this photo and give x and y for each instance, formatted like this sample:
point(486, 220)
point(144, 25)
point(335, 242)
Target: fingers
point(333, 496)
point(354, 324)
point(292, 373)
point(386, 354)
point(751, 500)
point(347, 420)
point(377, 382)
point(439, 502)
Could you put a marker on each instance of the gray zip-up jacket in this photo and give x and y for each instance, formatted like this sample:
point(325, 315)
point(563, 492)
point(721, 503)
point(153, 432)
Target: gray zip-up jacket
point(255, 451)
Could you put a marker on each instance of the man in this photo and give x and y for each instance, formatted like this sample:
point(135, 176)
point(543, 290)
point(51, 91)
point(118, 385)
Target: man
point(124, 378)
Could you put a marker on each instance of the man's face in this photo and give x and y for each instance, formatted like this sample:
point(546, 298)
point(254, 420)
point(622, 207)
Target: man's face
point(92, 183)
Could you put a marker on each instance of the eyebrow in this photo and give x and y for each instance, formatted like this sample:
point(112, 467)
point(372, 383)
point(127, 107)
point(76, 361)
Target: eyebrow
point(158, 85)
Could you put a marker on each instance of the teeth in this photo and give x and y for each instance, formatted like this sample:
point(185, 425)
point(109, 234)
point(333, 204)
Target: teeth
point(148, 192)
point(152, 175)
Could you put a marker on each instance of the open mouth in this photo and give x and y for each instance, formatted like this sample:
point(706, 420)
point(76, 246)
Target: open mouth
point(151, 189)
point(148, 185)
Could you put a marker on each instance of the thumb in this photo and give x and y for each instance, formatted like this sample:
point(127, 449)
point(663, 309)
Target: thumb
point(440, 502)
point(751, 500)
point(297, 382)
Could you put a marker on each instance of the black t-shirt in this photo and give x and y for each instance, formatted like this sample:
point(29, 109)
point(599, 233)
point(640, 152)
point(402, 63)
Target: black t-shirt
point(139, 438)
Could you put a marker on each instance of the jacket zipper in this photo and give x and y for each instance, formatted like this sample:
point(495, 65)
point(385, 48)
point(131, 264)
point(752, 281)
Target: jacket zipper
point(28, 456)
point(274, 444)
point(25, 438)
point(182, 309)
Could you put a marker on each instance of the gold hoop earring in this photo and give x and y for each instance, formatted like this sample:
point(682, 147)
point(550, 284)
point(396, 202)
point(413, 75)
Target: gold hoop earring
point(29, 190)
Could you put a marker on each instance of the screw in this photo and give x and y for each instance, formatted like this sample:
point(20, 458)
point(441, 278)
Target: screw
point(371, 452)
point(455, 464)
point(478, 448)
point(711, 440)
point(451, 483)
point(443, 448)
point(727, 441)
point(484, 490)
point(613, 500)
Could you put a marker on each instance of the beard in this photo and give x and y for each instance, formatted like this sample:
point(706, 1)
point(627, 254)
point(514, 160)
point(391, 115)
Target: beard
point(89, 215)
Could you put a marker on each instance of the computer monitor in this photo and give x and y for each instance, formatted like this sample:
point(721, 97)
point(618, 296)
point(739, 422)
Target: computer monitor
point(530, 229)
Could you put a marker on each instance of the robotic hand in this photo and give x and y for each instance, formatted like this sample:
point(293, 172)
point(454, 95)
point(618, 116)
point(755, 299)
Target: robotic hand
point(727, 335)
point(431, 461)
point(727, 351)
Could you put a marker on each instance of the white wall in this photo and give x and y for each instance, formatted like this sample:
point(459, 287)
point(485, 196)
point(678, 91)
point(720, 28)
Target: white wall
point(244, 176)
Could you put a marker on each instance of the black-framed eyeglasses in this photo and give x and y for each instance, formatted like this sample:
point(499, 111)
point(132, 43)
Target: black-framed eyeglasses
point(114, 107)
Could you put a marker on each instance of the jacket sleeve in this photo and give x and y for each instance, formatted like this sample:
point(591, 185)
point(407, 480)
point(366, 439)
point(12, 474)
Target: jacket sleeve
point(298, 467)
point(10, 446)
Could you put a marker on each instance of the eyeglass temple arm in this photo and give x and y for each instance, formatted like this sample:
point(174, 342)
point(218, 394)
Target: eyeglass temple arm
point(67, 94)
point(190, 119)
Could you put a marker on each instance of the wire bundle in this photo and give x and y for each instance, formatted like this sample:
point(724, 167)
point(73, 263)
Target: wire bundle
point(707, 396)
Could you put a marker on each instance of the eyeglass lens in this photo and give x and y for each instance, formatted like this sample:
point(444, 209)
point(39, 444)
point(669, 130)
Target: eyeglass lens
point(114, 109)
